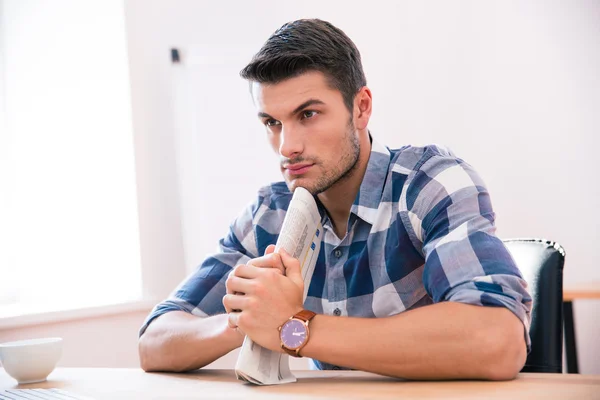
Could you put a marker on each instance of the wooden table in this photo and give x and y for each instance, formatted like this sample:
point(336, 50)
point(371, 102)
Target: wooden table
point(131, 384)
point(590, 290)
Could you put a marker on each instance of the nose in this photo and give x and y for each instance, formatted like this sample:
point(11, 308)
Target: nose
point(291, 143)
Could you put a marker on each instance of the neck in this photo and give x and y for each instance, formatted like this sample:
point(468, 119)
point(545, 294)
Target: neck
point(338, 199)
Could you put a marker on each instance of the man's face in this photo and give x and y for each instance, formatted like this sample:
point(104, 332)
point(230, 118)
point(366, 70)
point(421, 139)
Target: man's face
point(311, 129)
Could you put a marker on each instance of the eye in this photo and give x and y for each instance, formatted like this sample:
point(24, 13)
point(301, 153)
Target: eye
point(308, 114)
point(272, 122)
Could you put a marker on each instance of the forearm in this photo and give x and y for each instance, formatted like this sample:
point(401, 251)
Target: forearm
point(441, 341)
point(178, 341)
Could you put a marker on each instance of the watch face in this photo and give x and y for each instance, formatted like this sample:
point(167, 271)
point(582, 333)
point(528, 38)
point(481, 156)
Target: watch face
point(293, 334)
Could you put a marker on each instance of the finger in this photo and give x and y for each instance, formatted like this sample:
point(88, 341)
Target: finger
point(230, 325)
point(236, 285)
point(292, 268)
point(272, 260)
point(248, 271)
point(227, 309)
point(232, 320)
point(270, 249)
point(231, 273)
point(234, 302)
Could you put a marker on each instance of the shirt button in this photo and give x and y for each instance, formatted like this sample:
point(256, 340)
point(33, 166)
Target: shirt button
point(337, 312)
point(337, 253)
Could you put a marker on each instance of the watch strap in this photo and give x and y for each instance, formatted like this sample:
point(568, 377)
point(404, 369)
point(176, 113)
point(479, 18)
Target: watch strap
point(304, 315)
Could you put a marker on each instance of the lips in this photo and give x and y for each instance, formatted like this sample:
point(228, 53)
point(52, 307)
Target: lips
point(298, 169)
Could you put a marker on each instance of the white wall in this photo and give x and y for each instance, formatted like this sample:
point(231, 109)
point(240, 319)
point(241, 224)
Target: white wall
point(105, 341)
point(510, 86)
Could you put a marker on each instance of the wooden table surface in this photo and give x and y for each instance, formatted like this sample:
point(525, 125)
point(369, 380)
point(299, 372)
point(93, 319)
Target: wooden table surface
point(109, 383)
point(589, 290)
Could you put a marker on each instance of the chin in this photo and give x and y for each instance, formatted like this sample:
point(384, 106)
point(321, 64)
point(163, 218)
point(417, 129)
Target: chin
point(304, 183)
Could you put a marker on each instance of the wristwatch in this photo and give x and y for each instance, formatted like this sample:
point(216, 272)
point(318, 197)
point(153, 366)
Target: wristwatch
point(294, 332)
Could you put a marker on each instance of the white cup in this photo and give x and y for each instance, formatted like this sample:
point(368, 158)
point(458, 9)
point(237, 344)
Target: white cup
point(31, 361)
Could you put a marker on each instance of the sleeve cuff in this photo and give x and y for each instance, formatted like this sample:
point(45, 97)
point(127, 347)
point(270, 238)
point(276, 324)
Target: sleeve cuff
point(168, 306)
point(474, 296)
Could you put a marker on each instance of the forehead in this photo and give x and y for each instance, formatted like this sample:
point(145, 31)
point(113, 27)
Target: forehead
point(283, 97)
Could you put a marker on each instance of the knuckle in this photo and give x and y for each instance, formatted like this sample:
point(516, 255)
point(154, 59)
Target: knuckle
point(236, 269)
point(272, 274)
point(256, 260)
point(251, 302)
point(259, 288)
point(276, 258)
point(228, 284)
point(226, 300)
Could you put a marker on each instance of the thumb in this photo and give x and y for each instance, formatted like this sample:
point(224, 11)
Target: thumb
point(270, 249)
point(292, 268)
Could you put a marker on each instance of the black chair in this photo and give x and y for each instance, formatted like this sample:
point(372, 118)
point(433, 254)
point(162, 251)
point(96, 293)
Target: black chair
point(541, 262)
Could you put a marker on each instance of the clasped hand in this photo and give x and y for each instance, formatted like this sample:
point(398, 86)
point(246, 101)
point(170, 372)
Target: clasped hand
point(263, 294)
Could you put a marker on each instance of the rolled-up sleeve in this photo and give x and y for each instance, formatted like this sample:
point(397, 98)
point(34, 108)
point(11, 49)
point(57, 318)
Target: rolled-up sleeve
point(451, 214)
point(202, 292)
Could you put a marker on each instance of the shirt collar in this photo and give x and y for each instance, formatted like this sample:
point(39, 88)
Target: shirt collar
point(367, 199)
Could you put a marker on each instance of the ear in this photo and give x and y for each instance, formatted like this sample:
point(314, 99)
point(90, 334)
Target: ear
point(363, 105)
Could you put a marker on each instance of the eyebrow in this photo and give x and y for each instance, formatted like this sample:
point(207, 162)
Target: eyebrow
point(301, 107)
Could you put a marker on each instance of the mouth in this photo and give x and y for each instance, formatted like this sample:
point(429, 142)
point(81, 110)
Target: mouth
point(298, 169)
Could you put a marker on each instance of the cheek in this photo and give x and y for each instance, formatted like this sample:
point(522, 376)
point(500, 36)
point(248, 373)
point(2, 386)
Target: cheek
point(331, 139)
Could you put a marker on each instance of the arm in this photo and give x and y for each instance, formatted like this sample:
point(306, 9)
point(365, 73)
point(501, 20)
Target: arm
point(440, 341)
point(189, 330)
point(179, 341)
point(447, 340)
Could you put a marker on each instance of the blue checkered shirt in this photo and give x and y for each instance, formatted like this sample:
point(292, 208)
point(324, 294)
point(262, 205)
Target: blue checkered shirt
point(421, 231)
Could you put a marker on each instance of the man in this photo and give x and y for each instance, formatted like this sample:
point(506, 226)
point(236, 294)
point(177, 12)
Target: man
point(410, 280)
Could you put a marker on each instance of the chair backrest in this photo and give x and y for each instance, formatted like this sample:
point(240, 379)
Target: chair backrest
point(541, 262)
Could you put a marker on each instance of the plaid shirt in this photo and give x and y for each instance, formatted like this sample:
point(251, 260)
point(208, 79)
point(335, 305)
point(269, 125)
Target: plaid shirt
point(421, 231)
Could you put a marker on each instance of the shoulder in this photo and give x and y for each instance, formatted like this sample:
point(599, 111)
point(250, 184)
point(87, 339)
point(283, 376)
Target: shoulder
point(409, 160)
point(433, 162)
point(430, 170)
point(414, 167)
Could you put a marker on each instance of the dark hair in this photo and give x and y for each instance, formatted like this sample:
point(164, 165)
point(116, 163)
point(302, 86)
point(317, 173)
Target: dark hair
point(309, 45)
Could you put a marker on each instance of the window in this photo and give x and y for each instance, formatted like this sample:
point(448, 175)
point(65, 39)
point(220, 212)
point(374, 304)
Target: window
point(68, 211)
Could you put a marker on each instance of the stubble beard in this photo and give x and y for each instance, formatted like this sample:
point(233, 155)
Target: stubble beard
point(342, 170)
